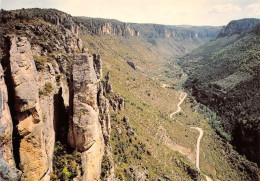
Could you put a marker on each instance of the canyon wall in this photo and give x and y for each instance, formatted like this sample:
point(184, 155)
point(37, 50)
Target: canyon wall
point(50, 91)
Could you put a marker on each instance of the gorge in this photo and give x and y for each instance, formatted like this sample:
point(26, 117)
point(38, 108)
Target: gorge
point(86, 99)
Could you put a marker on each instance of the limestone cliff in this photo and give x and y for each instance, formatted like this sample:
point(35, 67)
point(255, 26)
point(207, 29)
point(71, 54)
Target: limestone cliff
point(6, 124)
point(239, 27)
point(28, 112)
point(50, 92)
point(85, 132)
point(7, 164)
point(182, 32)
point(100, 26)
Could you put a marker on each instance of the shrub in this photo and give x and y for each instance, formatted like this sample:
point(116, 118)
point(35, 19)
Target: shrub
point(105, 166)
point(66, 161)
point(65, 174)
point(4, 139)
point(40, 61)
point(48, 88)
point(58, 77)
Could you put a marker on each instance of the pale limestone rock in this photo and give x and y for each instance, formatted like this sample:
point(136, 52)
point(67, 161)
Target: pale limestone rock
point(6, 124)
point(24, 74)
point(97, 65)
point(37, 136)
point(104, 118)
point(8, 172)
point(85, 132)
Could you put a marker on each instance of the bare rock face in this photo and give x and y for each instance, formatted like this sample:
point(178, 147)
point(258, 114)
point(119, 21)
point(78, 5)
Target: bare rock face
point(9, 173)
point(239, 27)
point(117, 103)
point(106, 27)
point(35, 156)
point(61, 98)
point(24, 74)
point(138, 175)
point(97, 66)
point(6, 124)
point(104, 119)
point(85, 132)
point(107, 87)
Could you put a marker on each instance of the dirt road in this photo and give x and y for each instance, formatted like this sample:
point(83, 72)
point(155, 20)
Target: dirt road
point(182, 98)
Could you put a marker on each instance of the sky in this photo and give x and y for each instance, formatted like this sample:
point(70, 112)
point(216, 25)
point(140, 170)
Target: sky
point(170, 12)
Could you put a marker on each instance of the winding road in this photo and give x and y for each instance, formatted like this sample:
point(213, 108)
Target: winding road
point(198, 147)
point(182, 98)
point(178, 105)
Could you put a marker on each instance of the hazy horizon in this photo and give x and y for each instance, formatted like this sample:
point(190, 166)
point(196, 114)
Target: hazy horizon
point(167, 12)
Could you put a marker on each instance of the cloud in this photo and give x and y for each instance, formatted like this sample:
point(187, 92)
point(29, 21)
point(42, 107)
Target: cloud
point(224, 8)
point(254, 9)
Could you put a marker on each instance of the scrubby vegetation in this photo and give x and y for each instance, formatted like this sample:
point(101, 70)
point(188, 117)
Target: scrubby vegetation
point(148, 106)
point(66, 162)
point(4, 139)
point(153, 143)
point(46, 90)
point(40, 62)
point(224, 75)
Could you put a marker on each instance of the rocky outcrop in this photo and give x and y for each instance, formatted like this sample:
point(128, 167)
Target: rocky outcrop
point(52, 16)
point(85, 132)
point(6, 124)
point(150, 31)
point(97, 66)
point(138, 175)
point(117, 103)
point(107, 174)
point(9, 173)
point(24, 74)
point(107, 87)
point(34, 138)
point(129, 129)
point(54, 94)
point(100, 26)
point(239, 27)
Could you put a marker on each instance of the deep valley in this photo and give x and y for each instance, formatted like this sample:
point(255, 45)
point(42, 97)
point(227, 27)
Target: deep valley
point(88, 99)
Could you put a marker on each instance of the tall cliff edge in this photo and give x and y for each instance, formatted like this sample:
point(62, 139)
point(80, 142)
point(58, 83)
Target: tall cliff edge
point(51, 93)
point(239, 27)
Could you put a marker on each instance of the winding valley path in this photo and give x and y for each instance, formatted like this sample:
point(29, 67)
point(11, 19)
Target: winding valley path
point(182, 98)
point(198, 146)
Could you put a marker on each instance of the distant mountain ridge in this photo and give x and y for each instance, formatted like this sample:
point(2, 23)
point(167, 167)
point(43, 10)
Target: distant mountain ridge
point(184, 32)
point(239, 26)
point(101, 26)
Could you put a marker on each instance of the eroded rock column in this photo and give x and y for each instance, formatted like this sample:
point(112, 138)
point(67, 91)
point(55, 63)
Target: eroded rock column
point(85, 132)
point(32, 151)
